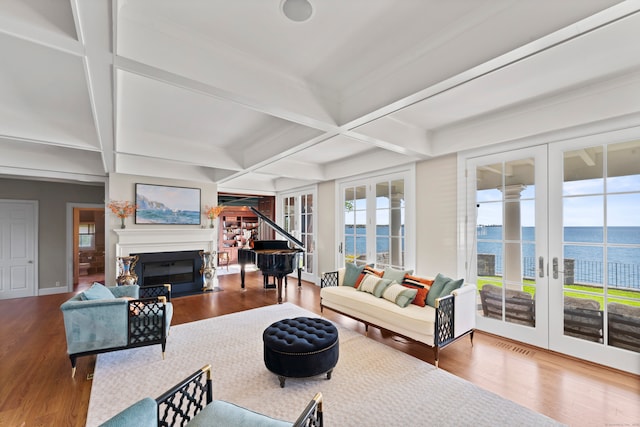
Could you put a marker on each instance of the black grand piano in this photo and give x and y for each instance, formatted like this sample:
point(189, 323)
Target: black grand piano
point(273, 257)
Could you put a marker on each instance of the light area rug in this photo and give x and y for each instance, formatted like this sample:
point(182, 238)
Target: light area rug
point(372, 384)
point(223, 270)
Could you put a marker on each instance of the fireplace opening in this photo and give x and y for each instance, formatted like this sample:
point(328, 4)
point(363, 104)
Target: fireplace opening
point(157, 273)
point(181, 269)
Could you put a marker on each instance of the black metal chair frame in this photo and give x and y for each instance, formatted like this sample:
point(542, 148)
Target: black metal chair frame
point(178, 405)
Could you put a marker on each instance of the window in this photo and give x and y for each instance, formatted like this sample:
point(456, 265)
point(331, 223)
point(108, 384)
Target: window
point(87, 235)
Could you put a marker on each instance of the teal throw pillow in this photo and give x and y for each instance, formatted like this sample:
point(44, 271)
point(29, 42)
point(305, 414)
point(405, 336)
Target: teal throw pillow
point(451, 286)
point(351, 274)
point(395, 275)
point(97, 291)
point(440, 287)
point(400, 295)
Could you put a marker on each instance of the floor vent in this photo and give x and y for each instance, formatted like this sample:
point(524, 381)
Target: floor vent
point(520, 350)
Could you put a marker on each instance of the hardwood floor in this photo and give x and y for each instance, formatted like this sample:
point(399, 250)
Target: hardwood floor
point(37, 388)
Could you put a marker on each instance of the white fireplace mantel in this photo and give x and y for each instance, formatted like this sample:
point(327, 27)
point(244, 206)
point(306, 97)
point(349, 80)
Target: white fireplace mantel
point(144, 240)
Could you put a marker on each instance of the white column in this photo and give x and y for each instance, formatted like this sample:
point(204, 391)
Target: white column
point(395, 229)
point(513, 237)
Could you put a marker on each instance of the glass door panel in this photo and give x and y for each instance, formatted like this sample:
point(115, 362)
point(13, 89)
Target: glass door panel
point(298, 220)
point(307, 236)
point(390, 224)
point(355, 224)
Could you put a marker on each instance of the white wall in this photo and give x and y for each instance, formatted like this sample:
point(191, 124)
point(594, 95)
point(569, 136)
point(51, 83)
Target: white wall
point(436, 217)
point(326, 234)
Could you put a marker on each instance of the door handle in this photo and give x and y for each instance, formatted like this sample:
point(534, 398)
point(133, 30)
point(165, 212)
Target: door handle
point(540, 266)
point(555, 268)
point(340, 248)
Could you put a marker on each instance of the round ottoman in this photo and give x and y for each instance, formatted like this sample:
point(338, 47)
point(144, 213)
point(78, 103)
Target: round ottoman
point(300, 347)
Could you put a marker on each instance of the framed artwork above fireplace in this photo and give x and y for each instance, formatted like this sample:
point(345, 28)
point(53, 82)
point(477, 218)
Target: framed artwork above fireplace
point(163, 204)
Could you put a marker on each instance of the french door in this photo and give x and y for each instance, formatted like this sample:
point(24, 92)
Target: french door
point(507, 203)
point(299, 220)
point(554, 234)
point(595, 249)
point(374, 221)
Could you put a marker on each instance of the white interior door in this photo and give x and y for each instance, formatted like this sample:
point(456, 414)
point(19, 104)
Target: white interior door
point(18, 263)
point(507, 205)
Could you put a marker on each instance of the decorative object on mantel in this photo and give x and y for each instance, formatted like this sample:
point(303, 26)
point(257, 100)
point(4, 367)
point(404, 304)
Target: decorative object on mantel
point(126, 274)
point(208, 271)
point(212, 213)
point(122, 209)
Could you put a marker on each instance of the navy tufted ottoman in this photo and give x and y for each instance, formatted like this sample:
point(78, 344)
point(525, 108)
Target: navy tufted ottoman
point(300, 347)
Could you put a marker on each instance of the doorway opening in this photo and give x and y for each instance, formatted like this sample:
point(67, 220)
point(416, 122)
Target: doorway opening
point(88, 247)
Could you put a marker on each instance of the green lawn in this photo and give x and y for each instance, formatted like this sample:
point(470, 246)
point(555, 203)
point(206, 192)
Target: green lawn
point(634, 296)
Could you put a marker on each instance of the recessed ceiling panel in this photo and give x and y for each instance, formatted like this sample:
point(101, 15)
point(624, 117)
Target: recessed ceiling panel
point(45, 96)
point(54, 16)
point(184, 115)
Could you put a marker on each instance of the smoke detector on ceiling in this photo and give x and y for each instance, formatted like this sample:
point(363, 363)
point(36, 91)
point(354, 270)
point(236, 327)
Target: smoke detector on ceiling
point(297, 10)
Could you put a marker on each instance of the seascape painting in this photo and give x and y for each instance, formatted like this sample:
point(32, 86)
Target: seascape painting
point(160, 204)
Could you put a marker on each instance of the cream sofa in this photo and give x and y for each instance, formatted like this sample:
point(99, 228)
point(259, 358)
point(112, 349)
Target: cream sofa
point(452, 317)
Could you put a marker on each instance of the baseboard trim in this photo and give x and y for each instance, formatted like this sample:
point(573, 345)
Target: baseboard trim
point(53, 291)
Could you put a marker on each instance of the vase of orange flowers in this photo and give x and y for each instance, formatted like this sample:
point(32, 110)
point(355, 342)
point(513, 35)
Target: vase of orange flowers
point(212, 213)
point(122, 209)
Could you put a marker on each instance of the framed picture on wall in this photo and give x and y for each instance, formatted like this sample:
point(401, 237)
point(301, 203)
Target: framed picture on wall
point(163, 204)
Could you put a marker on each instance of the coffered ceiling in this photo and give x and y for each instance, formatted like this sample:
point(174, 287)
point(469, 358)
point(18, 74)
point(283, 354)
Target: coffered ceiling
point(234, 92)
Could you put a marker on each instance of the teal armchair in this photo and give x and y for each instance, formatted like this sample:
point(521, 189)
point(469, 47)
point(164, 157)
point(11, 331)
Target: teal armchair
point(103, 319)
point(190, 403)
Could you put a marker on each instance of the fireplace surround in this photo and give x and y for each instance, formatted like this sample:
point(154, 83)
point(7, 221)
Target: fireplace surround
point(168, 255)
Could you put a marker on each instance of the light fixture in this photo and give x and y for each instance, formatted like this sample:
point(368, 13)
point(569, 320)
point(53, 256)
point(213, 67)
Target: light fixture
point(297, 10)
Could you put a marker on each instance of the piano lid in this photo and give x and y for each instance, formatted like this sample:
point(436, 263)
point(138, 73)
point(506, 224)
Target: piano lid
point(277, 228)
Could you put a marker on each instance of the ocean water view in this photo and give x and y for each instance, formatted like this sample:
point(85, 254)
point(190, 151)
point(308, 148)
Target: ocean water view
point(585, 246)
point(166, 216)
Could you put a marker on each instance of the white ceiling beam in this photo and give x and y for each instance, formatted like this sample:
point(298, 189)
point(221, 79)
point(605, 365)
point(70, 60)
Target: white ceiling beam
point(288, 168)
point(586, 157)
point(94, 21)
point(394, 135)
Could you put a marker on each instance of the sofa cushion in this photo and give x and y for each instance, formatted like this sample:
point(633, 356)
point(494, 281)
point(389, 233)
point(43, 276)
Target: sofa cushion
point(352, 274)
point(395, 275)
point(422, 285)
point(412, 321)
point(442, 286)
point(367, 270)
point(374, 285)
point(96, 291)
point(221, 413)
point(400, 295)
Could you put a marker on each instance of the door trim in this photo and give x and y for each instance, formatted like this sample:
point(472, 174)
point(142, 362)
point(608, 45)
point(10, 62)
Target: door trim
point(69, 243)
